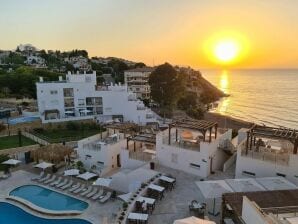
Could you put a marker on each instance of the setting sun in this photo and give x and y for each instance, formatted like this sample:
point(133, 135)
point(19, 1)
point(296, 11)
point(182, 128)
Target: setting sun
point(226, 51)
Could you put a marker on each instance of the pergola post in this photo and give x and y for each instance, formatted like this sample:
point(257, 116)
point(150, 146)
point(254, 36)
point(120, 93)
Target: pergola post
point(247, 140)
point(170, 126)
point(295, 146)
point(251, 138)
point(216, 126)
point(204, 135)
point(127, 141)
point(176, 134)
point(210, 134)
point(134, 146)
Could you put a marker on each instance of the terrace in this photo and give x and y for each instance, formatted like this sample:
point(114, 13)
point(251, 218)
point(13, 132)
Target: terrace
point(270, 144)
point(190, 133)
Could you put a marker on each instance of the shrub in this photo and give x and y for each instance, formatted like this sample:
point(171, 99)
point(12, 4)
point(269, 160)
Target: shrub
point(124, 205)
point(72, 126)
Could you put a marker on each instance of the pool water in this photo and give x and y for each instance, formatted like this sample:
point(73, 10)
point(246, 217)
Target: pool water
point(15, 215)
point(20, 120)
point(48, 199)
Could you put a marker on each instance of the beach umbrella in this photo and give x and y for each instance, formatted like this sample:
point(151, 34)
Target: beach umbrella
point(71, 172)
point(44, 165)
point(12, 162)
point(104, 182)
point(87, 176)
point(193, 220)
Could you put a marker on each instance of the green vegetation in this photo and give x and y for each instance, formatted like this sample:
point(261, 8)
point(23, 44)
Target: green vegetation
point(166, 85)
point(72, 131)
point(13, 142)
point(21, 82)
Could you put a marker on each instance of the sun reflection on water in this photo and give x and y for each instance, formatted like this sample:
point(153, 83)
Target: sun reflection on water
point(224, 86)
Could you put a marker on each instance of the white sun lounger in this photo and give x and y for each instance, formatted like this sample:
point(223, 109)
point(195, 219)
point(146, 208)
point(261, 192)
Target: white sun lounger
point(62, 183)
point(50, 180)
point(75, 187)
point(45, 178)
point(58, 181)
point(92, 193)
point(87, 191)
point(98, 195)
point(41, 175)
point(79, 189)
point(67, 185)
point(106, 197)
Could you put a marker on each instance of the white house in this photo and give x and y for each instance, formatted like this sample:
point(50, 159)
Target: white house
point(267, 152)
point(137, 81)
point(78, 97)
point(36, 61)
point(192, 146)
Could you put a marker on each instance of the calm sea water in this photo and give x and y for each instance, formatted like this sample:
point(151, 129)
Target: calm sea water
point(262, 96)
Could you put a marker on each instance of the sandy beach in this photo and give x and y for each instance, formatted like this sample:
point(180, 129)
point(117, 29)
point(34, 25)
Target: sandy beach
point(226, 121)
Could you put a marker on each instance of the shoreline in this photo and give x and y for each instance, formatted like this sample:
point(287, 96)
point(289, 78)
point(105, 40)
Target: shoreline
point(225, 121)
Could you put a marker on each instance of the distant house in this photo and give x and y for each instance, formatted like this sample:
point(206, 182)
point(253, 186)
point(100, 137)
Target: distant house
point(36, 61)
point(79, 62)
point(26, 48)
point(137, 81)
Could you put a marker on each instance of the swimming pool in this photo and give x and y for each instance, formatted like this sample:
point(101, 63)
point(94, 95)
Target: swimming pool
point(48, 199)
point(14, 215)
point(20, 120)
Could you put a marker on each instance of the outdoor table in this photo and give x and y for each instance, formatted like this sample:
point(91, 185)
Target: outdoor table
point(158, 189)
point(149, 201)
point(138, 217)
point(170, 181)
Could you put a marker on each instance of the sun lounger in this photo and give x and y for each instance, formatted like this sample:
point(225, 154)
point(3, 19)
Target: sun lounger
point(50, 180)
point(45, 178)
point(62, 183)
point(87, 191)
point(75, 187)
point(41, 175)
point(105, 198)
point(98, 195)
point(58, 181)
point(92, 193)
point(67, 185)
point(80, 189)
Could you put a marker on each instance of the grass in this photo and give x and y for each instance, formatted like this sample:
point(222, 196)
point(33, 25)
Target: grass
point(13, 142)
point(57, 135)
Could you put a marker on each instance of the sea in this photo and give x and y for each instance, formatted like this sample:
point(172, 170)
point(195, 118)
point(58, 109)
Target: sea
point(267, 97)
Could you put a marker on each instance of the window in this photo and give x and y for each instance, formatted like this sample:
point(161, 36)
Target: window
point(248, 173)
point(90, 101)
point(174, 158)
point(98, 110)
point(81, 102)
point(53, 92)
point(68, 92)
point(281, 175)
point(196, 166)
point(69, 102)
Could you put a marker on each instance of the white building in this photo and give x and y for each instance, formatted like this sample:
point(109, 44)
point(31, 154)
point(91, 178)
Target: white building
point(78, 97)
point(137, 81)
point(36, 61)
point(195, 147)
point(79, 62)
point(267, 152)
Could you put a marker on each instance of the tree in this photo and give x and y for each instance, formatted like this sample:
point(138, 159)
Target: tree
point(166, 85)
point(139, 65)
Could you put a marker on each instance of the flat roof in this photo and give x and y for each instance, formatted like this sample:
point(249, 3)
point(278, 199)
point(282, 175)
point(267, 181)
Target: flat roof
point(144, 69)
point(267, 200)
point(145, 137)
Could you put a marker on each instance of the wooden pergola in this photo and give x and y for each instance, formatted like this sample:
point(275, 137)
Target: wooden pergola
point(198, 125)
point(273, 133)
point(144, 138)
point(125, 127)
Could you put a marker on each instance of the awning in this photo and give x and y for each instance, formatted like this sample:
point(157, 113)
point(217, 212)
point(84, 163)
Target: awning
point(87, 176)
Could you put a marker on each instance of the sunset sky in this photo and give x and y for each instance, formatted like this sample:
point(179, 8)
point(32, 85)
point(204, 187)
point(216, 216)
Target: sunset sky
point(182, 32)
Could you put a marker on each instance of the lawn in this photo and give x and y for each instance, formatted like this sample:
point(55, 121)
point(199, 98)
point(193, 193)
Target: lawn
point(13, 142)
point(58, 135)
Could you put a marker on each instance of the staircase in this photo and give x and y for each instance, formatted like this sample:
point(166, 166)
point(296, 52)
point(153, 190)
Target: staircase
point(227, 146)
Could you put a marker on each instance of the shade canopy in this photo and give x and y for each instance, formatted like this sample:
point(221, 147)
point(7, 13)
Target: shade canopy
point(71, 172)
point(44, 165)
point(245, 185)
point(276, 183)
point(213, 188)
point(11, 162)
point(87, 176)
point(193, 220)
point(104, 182)
point(125, 197)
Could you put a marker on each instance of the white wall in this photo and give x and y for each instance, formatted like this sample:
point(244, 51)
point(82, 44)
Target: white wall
point(263, 168)
point(251, 214)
